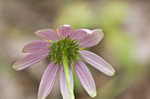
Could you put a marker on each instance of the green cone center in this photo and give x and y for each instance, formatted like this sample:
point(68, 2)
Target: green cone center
point(65, 46)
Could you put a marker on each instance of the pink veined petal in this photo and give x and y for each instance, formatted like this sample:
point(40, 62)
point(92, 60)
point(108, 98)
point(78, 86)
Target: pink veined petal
point(63, 84)
point(65, 30)
point(93, 38)
point(48, 34)
point(97, 62)
point(85, 78)
point(78, 34)
point(29, 60)
point(35, 46)
point(48, 80)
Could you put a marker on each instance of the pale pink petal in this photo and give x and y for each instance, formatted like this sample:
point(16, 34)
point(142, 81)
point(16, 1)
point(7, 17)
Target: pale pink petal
point(85, 78)
point(48, 80)
point(35, 46)
point(48, 34)
point(78, 34)
point(93, 38)
point(29, 60)
point(97, 62)
point(63, 84)
point(65, 31)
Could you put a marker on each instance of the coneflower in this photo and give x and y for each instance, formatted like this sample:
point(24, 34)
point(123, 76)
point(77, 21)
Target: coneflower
point(65, 50)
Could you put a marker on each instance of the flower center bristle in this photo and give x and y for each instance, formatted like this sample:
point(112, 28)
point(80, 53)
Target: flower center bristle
point(68, 46)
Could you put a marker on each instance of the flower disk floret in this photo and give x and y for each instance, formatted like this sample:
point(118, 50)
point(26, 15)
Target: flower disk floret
point(64, 46)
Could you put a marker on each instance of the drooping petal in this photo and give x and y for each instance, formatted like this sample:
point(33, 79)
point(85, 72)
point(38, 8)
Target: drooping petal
point(63, 84)
point(29, 60)
point(97, 62)
point(48, 80)
point(48, 34)
point(78, 34)
point(85, 78)
point(93, 38)
point(65, 30)
point(35, 46)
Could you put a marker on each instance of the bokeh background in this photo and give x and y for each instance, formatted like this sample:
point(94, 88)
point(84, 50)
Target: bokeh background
point(126, 45)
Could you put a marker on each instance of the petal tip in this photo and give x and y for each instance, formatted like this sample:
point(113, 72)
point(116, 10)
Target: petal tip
point(93, 94)
point(112, 72)
point(37, 32)
point(101, 33)
point(15, 67)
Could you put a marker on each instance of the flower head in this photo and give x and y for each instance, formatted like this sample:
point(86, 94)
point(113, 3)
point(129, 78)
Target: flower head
point(65, 51)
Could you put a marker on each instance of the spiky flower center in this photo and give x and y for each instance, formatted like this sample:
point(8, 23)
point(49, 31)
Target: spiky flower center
point(62, 47)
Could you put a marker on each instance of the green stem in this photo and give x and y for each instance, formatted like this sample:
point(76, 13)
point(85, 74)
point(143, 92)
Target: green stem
point(67, 74)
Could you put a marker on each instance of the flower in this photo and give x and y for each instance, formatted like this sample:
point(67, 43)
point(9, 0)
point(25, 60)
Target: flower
point(65, 51)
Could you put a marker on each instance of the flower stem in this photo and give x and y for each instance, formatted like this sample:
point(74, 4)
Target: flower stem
point(67, 74)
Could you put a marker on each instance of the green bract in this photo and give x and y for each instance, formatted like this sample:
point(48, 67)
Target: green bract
point(62, 47)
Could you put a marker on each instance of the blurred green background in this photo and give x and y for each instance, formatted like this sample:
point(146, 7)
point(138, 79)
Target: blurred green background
point(126, 44)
